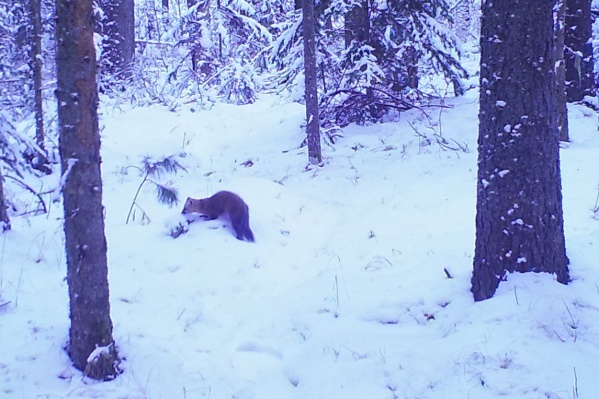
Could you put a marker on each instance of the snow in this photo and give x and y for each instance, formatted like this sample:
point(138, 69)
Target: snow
point(99, 351)
point(357, 285)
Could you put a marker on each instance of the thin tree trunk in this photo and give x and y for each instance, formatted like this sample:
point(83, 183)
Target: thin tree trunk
point(4, 219)
point(519, 216)
point(560, 72)
point(311, 85)
point(36, 64)
point(119, 45)
point(579, 50)
point(79, 144)
point(357, 24)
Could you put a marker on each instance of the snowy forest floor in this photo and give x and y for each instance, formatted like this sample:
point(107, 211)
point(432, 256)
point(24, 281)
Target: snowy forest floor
point(343, 295)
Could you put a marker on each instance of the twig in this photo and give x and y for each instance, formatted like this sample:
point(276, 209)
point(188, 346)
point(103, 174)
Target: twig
point(596, 207)
point(32, 191)
point(575, 384)
point(135, 197)
point(573, 325)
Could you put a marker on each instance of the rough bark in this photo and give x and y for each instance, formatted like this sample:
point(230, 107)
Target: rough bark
point(79, 145)
point(579, 50)
point(560, 72)
point(519, 217)
point(119, 42)
point(311, 87)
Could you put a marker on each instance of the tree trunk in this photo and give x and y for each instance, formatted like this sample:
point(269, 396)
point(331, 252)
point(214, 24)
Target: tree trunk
point(579, 50)
point(119, 45)
point(411, 62)
point(311, 88)
point(560, 72)
point(79, 144)
point(36, 64)
point(4, 219)
point(519, 217)
point(357, 24)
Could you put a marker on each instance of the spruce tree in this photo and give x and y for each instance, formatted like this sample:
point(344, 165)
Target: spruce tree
point(91, 346)
point(519, 217)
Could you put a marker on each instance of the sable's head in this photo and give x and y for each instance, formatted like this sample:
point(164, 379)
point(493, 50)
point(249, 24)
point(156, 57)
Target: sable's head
point(188, 206)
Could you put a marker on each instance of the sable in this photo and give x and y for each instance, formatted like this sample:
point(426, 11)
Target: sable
point(223, 202)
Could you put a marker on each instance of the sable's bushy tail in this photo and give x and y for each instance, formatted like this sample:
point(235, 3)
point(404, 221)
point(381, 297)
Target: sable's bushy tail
point(245, 225)
point(242, 228)
point(248, 233)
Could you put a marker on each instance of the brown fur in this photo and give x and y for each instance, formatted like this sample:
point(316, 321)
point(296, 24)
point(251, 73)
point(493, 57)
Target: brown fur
point(223, 202)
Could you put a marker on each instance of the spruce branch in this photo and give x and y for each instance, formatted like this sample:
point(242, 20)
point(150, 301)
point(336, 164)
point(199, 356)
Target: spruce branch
point(165, 192)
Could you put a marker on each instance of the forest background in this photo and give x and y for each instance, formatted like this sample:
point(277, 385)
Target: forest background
point(191, 57)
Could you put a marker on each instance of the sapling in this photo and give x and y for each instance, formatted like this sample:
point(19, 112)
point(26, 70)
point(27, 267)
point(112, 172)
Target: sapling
point(165, 193)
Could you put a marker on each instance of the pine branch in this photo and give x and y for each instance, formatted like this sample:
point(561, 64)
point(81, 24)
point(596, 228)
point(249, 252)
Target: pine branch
point(166, 194)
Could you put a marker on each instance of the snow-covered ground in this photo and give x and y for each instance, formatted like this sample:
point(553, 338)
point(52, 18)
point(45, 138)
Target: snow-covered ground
point(344, 294)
